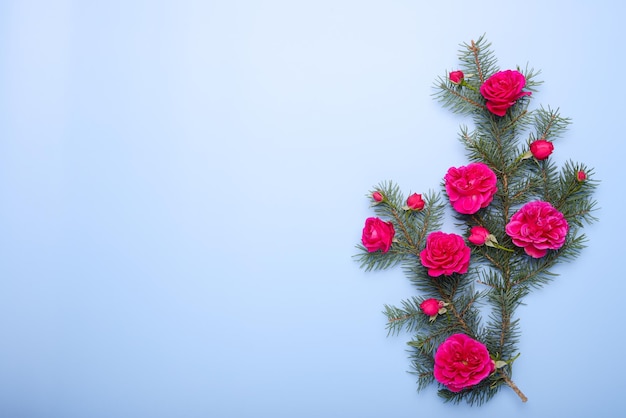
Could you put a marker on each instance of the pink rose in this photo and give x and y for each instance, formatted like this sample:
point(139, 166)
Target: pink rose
point(502, 90)
point(377, 235)
point(581, 176)
point(461, 362)
point(537, 227)
point(456, 77)
point(471, 187)
point(479, 235)
point(445, 254)
point(431, 307)
point(541, 149)
point(377, 196)
point(415, 202)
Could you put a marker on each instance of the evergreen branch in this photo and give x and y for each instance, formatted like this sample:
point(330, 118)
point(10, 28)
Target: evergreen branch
point(466, 99)
point(474, 49)
point(431, 217)
point(378, 260)
point(549, 123)
point(507, 273)
point(530, 74)
point(452, 98)
point(409, 317)
point(514, 121)
point(477, 58)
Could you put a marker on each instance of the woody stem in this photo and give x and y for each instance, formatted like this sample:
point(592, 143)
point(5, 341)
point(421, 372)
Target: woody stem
point(513, 386)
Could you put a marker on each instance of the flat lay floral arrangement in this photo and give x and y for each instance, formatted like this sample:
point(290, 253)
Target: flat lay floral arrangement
point(518, 215)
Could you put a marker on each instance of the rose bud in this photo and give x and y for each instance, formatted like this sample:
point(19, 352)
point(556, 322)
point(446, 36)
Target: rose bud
point(581, 176)
point(430, 307)
point(377, 196)
point(541, 149)
point(414, 202)
point(433, 307)
point(456, 77)
point(479, 235)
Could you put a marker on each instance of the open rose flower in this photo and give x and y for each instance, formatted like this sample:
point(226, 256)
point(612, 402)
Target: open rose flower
point(541, 149)
point(461, 362)
point(470, 187)
point(502, 90)
point(537, 227)
point(445, 254)
point(377, 235)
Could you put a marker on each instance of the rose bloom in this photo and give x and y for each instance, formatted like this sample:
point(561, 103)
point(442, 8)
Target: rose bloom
point(415, 202)
point(377, 235)
point(445, 254)
point(537, 227)
point(461, 362)
point(456, 77)
point(478, 235)
point(430, 307)
point(541, 149)
point(377, 196)
point(471, 187)
point(502, 90)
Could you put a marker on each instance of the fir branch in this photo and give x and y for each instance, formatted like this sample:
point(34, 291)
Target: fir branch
point(477, 58)
point(409, 317)
point(530, 74)
point(448, 296)
point(573, 196)
point(513, 386)
point(549, 123)
point(458, 99)
point(506, 272)
point(422, 363)
point(377, 260)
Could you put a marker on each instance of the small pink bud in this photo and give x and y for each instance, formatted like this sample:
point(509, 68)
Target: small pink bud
point(456, 77)
point(581, 176)
point(479, 235)
point(415, 202)
point(377, 196)
point(430, 307)
point(541, 149)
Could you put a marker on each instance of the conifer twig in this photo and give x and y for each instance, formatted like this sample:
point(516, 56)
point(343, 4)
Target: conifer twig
point(513, 386)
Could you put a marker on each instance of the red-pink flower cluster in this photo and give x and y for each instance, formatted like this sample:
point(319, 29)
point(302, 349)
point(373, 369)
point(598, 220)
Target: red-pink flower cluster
point(461, 362)
point(538, 227)
point(470, 187)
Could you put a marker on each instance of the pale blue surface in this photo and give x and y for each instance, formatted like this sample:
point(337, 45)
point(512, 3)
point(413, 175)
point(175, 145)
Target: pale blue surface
point(182, 186)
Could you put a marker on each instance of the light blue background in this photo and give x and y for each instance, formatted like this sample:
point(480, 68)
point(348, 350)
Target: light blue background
point(182, 186)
